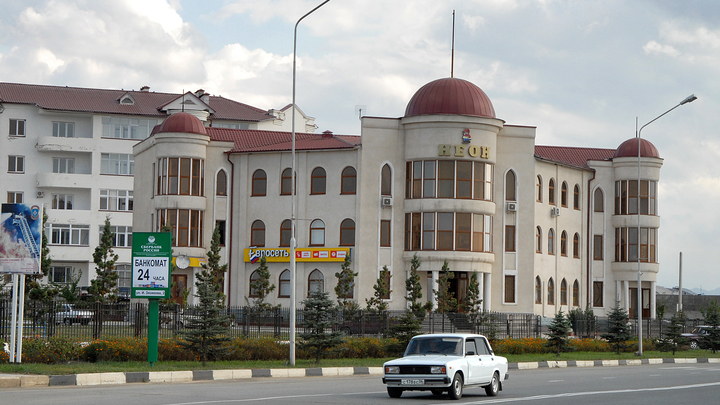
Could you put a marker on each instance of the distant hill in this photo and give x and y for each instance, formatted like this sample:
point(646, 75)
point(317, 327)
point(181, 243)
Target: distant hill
point(706, 292)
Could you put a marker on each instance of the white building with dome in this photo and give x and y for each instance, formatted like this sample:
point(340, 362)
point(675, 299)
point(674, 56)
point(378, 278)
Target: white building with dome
point(546, 228)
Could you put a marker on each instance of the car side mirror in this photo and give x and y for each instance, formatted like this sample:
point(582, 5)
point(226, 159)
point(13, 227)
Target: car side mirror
point(470, 353)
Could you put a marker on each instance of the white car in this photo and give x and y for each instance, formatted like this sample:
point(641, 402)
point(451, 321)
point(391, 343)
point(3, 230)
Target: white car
point(446, 363)
point(69, 315)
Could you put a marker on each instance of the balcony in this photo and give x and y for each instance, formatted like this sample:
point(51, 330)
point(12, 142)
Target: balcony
point(56, 144)
point(64, 180)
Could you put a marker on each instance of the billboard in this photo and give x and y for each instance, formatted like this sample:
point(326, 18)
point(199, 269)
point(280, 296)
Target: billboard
point(151, 255)
point(253, 255)
point(20, 238)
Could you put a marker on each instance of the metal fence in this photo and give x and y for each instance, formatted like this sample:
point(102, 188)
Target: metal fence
point(652, 328)
point(86, 321)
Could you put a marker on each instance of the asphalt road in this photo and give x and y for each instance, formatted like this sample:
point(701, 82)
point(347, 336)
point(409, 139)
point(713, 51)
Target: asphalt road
point(649, 384)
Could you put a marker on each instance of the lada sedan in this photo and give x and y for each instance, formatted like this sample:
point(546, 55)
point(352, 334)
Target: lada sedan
point(446, 363)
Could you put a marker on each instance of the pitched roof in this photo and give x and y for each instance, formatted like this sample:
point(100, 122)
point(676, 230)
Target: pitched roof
point(105, 101)
point(252, 140)
point(572, 156)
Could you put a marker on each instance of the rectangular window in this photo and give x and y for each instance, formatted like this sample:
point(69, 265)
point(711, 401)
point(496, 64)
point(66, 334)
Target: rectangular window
point(62, 201)
point(429, 179)
point(509, 238)
point(464, 180)
point(122, 235)
point(116, 200)
point(597, 247)
point(487, 236)
point(408, 179)
point(221, 229)
point(463, 227)
point(186, 226)
point(445, 230)
point(64, 129)
point(124, 272)
point(417, 179)
point(479, 181)
point(127, 128)
point(117, 163)
point(183, 176)
point(61, 274)
point(428, 231)
point(63, 165)
point(446, 179)
point(597, 293)
point(509, 289)
point(385, 233)
point(68, 234)
point(416, 231)
point(478, 232)
point(15, 197)
point(16, 164)
point(17, 127)
point(626, 245)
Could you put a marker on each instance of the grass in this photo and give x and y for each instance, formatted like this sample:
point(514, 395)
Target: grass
point(135, 366)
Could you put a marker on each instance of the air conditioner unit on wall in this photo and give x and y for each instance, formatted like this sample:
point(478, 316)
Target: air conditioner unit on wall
point(555, 212)
point(386, 201)
point(511, 206)
point(40, 194)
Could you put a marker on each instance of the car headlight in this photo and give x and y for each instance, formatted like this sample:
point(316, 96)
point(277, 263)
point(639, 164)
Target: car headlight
point(392, 370)
point(437, 369)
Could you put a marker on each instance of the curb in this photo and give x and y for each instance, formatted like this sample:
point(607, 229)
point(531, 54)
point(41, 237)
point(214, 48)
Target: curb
point(32, 381)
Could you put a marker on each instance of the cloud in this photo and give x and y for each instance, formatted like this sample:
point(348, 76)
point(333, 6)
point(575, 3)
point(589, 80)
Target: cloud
point(653, 47)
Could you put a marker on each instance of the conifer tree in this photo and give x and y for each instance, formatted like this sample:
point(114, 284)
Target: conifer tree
point(473, 303)
point(672, 337)
point(413, 288)
point(558, 333)
point(712, 319)
point(34, 289)
point(618, 328)
point(318, 321)
point(208, 331)
point(344, 288)
point(446, 301)
point(104, 286)
point(261, 286)
point(382, 289)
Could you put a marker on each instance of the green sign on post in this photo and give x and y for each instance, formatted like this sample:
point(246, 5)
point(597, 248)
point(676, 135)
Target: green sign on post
point(151, 257)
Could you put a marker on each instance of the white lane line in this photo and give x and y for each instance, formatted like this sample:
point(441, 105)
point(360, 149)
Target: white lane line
point(223, 401)
point(554, 381)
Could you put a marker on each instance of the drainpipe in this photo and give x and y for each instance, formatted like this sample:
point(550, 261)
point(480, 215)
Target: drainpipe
point(228, 242)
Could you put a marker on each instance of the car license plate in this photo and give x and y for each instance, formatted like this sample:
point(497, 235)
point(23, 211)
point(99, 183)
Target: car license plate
point(412, 382)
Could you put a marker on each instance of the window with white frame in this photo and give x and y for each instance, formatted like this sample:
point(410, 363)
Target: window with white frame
point(61, 274)
point(68, 234)
point(15, 197)
point(62, 201)
point(127, 128)
point(16, 164)
point(122, 235)
point(64, 129)
point(116, 200)
point(17, 127)
point(117, 163)
point(63, 165)
point(186, 226)
point(124, 272)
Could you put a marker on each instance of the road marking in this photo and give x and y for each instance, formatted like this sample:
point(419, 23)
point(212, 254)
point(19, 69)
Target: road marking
point(223, 401)
point(608, 378)
point(554, 381)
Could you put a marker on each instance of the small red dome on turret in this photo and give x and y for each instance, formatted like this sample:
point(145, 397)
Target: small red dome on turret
point(629, 148)
point(181, 122)
point(450, 96)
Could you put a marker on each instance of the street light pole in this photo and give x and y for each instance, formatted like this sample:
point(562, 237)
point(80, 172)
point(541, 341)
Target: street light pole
point(292, 204)
point(688, 99)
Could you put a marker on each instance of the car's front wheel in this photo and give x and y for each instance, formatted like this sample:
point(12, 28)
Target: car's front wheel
point(694, 344)
point(394, 392)
point(456, 389)
point(492, 389)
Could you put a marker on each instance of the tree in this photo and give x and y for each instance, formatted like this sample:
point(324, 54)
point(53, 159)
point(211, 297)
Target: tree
point(207, 333)
point(413, 289)
point(34, 289)
point(344, 288)
point(382, 290)
point(558, 333)
point(104, 286)
point(318, 321)
point(473, 303)
point(446, 301)
point(672, 337)
point(70, 291)
point(261, 286)
point(712, 319)
point(618, 329)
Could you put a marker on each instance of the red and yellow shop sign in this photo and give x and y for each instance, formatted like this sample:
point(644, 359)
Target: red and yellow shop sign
point(253, 255)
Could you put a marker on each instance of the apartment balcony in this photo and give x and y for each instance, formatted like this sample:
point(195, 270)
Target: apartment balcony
point(57, 144)
point(64, 180)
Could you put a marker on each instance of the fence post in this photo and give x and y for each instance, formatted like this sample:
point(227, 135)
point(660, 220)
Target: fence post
point(138, 319)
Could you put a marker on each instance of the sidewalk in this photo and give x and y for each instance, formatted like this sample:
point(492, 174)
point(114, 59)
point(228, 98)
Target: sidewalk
point(29, 381)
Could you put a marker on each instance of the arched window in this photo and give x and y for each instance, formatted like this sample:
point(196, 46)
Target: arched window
point(254, 292)
point(348, 181)
point(551, 191)
point(576, 197)
point(221, 183)
point(576, 294)
point(284, 283)
point(285, 233)
point(563, 243)
point(386, 180)
point(317, 181)
point(576, 246)
point(563, 292)
point(257, 234)
point(551, 292)
point(564, 194)
point(286, 182)
point(347, 232)
point(317, 233)
point(538, 240)
point(599, 206)
point(316, 282)
point(259, 183)
point(551, 242)
point(538, 290)
point(538, 188)
point(510, 186)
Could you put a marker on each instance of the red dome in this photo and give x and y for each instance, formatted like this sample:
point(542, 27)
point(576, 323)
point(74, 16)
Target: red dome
point(629, 148)
point(181, 122)
point(450, 96)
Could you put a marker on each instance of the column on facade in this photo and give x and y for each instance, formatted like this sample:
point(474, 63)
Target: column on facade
point(487, 298)
point(481, 286)
point(618, 291)
point(626, 294)
point(435, 278)
point(653, 312)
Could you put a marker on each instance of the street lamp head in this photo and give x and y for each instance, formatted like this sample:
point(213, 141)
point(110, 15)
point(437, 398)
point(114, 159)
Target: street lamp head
point(688, 99)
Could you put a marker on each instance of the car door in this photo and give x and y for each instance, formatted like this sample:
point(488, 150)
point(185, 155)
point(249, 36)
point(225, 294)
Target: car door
point(473, 362)
point(486, 360)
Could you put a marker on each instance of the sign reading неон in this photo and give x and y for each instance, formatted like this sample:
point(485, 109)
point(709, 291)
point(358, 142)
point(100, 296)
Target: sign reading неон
point(151, 258)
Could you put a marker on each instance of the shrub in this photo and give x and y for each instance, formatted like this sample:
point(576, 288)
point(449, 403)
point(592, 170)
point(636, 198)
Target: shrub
point(589, 345)
point(53, 350)
point(118, 349)
point(520, 346)
point(172, 350)
point(258, 349)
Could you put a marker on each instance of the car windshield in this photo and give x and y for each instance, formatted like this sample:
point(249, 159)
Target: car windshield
point(435, 345)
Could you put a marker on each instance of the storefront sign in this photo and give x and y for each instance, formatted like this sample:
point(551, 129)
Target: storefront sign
point(253, 255)
point(482, 152)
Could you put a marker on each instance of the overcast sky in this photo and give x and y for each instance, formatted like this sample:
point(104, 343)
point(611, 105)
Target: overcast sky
point(580, 71)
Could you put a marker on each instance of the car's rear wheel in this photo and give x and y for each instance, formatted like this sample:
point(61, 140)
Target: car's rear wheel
point(492, 389)
point(437, 393)
point(456, 389)
point(67, 321)
point(394, 392)
point(694, 344)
